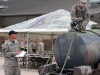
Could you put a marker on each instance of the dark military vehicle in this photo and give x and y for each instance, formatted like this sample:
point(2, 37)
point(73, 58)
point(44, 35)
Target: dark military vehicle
point(76, 53)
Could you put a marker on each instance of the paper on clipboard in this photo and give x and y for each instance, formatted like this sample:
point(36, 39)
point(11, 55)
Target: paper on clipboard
point(21, 54)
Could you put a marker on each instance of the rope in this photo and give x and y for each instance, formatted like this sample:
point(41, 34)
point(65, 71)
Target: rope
point(68, 53)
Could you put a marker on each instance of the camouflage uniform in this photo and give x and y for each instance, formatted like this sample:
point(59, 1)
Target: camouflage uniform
point(41, 48)
point(11, 64)
point(77, 12)
point(30, 48)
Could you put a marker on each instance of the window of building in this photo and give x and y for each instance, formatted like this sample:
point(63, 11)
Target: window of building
point(95, 1)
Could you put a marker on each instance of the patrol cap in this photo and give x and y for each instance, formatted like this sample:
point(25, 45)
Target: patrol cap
point(83, 2)
point(12, 32)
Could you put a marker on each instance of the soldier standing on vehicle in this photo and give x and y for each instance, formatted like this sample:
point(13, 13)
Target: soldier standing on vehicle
point(80, 12)
point(11, 49)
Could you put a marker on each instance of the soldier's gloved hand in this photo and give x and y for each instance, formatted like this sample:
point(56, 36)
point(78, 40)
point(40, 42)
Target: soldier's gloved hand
point(80, 18)
point(17, 52)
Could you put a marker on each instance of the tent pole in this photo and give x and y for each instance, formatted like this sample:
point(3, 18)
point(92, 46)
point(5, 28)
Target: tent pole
point(52, 41)
point(27, 49)
point(52, 44)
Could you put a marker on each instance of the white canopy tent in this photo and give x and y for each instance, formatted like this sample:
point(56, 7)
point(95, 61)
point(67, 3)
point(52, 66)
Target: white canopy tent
point(51, 23)
point(56, 22)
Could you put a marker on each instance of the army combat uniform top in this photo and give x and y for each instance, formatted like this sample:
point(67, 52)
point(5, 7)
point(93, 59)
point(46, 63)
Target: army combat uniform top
point(41, 48)
point(11, 64)
point(77, 12)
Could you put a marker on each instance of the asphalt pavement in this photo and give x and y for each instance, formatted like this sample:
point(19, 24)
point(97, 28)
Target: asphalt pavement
point(23, 71)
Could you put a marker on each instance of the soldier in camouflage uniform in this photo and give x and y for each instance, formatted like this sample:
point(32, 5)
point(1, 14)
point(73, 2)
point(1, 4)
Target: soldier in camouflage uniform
point(80, 12)
point(11, 49)
point(41, 47)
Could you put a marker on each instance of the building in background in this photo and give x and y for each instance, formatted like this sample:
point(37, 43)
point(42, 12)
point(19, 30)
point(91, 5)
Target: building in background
point(21, 10)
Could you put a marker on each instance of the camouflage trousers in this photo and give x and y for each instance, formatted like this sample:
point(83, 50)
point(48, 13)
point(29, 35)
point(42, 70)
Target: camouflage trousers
point(12, 70)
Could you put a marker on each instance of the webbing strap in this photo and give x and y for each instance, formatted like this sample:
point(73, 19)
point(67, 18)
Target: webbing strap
point(68, 53)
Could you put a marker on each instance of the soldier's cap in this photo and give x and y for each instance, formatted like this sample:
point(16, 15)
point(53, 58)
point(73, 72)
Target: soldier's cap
point(83, 2)
point(12, 32)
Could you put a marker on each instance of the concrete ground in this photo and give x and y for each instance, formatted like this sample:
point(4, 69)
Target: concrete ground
point(23, 71)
